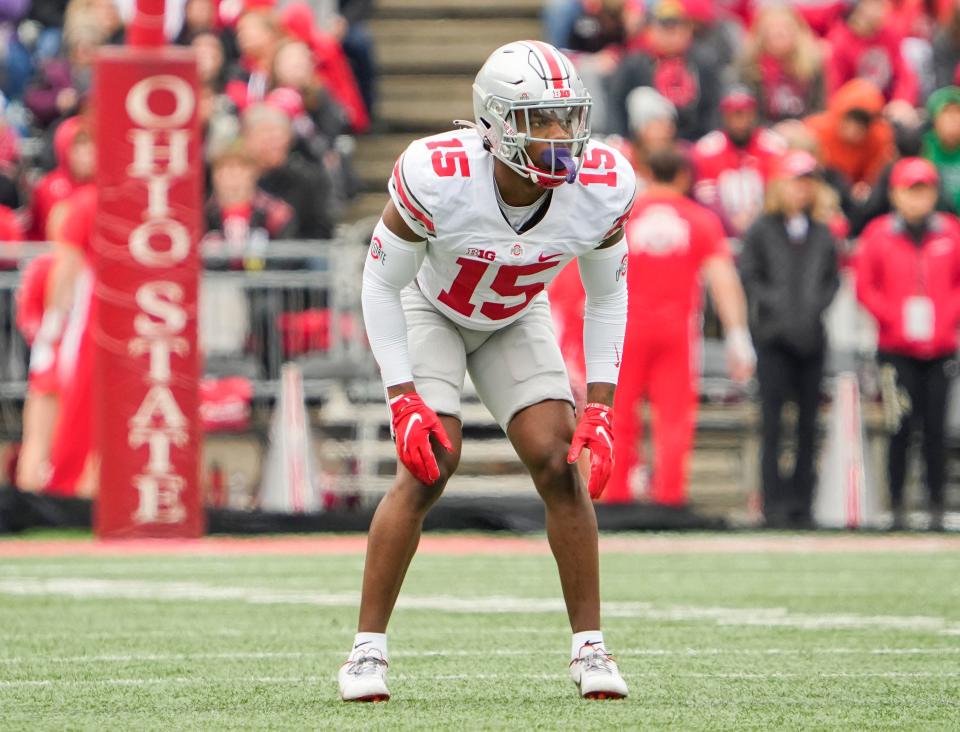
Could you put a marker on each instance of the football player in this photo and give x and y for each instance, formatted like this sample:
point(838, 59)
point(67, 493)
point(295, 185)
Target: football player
point(479, 221)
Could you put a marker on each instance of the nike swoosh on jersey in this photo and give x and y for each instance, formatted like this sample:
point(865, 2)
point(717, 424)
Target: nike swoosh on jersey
point(415, 418)
point(548, 257)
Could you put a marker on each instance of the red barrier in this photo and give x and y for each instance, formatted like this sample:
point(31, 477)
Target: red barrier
point(147, 264)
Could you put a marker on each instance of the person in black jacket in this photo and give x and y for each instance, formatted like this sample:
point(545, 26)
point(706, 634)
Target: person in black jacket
point(789, 270)
point(284, 174)
point(676, 67)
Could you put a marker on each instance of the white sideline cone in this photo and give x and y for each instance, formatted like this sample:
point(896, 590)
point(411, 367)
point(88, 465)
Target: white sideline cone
point(289, 483)
point(845, 499)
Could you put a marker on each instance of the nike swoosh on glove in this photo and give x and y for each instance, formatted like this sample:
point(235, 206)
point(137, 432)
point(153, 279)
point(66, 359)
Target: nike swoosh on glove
point(595, 432)
point(413, 425)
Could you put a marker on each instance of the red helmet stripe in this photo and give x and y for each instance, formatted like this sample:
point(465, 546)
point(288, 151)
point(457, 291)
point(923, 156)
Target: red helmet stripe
point(553, 63)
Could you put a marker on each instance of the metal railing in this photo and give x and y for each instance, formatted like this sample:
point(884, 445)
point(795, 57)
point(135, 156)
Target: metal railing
point(293, 301)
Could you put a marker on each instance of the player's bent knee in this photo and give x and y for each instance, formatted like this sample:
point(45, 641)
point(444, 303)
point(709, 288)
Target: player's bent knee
point(555, 478)
point(418, 496)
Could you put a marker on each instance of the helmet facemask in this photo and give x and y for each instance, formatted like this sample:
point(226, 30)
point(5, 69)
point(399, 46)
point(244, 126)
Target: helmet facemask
point(523, 123)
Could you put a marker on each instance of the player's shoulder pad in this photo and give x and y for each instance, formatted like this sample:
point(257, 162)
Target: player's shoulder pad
point(427, 171)
point(713, 143)
point(609, 185)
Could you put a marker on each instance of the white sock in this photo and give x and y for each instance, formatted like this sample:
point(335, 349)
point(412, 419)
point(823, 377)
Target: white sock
point(593, 637)
point(370, 642)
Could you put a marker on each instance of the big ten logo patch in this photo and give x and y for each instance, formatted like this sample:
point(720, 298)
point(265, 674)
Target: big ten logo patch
point(376, 251)
point(487, 254)
point(622, 269)
point(659, 231)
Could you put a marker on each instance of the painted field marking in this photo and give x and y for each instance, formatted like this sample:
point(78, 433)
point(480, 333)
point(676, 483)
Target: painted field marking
point(479, 653)
point(293, 680)
point(724, 616)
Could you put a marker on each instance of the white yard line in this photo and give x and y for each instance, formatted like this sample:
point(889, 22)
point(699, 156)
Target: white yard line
point(298, 680)
point(723, 616)
point(479, 653)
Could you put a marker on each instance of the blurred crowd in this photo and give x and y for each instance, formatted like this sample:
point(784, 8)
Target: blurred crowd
point(284, 88)
point(824, 138)
point(858, 83)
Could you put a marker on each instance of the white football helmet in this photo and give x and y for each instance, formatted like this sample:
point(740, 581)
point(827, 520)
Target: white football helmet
point(522, 89)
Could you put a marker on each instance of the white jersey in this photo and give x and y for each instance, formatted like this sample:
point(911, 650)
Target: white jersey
point(478, 271)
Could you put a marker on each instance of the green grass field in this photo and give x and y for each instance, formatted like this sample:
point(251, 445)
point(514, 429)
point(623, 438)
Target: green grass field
point(737, 633)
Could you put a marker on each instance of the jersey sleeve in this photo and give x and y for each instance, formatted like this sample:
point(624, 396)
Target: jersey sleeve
point(413, 191)
point(621, 203)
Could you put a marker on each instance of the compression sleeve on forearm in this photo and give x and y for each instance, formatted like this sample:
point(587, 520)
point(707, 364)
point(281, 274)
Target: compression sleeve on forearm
point(604, 276)
point(391, 265)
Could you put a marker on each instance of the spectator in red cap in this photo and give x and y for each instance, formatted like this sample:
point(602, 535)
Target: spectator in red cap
point(789, 270)
point(669, 65)
point(864, 45)
point(73, 147)
point(783, 65)
point(908, 278)
point(732, 165)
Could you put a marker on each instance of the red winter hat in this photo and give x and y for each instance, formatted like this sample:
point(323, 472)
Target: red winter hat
point(912, 172)
point(796, 164)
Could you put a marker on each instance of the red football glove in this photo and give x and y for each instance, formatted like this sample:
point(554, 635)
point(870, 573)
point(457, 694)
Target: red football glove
point(413, 424)
point(595, 432)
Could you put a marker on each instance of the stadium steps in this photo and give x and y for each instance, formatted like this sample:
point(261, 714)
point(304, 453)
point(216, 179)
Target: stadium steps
point(428, 53)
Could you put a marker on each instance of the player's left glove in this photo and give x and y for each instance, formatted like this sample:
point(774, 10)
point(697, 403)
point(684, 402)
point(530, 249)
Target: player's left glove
point(414, 423)
point(595, 432)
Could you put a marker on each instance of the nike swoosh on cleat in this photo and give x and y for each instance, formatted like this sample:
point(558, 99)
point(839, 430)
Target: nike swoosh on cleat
point(413, 419)
point(548, 257)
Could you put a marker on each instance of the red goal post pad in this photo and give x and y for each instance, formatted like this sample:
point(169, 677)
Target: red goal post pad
point(145, 241)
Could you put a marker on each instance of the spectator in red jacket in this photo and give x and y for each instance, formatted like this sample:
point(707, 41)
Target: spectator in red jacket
point(908, 278)
point(864, 45)
point(73, 147)
point(733, 164)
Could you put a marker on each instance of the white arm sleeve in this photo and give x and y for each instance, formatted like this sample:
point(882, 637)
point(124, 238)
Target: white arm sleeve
point(604, 276)
point(390, 266)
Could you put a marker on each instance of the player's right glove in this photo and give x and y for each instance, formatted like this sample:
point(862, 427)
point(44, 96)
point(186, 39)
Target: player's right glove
point(595, 432)
point(413, 425)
